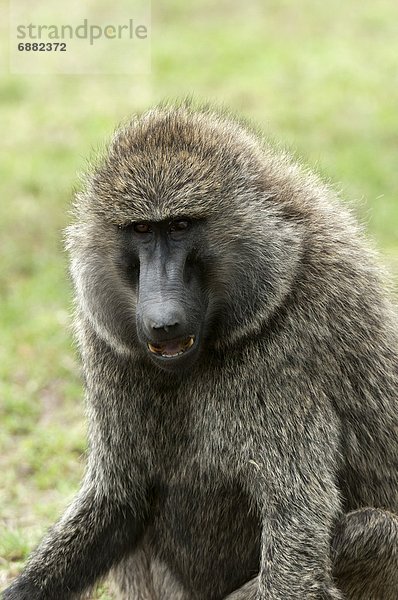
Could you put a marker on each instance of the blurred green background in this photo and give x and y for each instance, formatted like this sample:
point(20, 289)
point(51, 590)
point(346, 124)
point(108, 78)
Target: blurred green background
point(322, 77)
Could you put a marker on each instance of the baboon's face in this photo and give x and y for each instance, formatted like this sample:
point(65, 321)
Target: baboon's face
point(161, 262)
point(181, 247)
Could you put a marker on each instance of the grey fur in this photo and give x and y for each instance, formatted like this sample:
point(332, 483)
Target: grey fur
point(231, 477)
point(365, 555)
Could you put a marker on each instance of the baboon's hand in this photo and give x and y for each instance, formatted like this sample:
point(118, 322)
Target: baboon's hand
point(22, 589)
point(249, 591)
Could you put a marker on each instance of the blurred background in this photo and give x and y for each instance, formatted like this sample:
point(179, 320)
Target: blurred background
point(321, 77)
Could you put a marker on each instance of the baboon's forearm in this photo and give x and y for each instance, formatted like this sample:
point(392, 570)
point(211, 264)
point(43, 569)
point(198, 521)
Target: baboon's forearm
point(91, 537)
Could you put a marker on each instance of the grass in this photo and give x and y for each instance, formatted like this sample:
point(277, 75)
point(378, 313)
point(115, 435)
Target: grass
point(321, 77)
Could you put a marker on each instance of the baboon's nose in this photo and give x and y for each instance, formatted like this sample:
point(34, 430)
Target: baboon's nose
point(162, 322)
point(163, 325)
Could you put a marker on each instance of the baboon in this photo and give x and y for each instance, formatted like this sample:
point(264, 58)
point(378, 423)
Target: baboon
point(240, 355)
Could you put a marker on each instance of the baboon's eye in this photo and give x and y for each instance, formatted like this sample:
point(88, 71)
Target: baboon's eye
point(141, 227)
point(179, 225)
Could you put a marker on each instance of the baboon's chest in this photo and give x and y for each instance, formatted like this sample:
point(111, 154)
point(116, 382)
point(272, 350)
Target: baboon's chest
point(208, 534)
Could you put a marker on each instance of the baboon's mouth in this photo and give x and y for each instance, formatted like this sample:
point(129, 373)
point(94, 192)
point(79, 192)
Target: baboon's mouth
point(172, 348)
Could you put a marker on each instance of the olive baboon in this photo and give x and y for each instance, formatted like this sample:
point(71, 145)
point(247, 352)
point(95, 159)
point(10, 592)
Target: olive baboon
point(241, 368)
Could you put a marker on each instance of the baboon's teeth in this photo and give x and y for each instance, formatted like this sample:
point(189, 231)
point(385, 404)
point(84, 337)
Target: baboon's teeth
point(172, 348)
point(190, 342)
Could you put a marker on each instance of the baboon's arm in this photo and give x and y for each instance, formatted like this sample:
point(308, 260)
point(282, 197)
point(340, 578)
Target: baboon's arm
point(93, 534)
point(364, 555)
point(295, 559)
point(290, 570)
point(299, 505)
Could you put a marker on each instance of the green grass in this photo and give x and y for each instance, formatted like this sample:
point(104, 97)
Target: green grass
point(320, 77)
